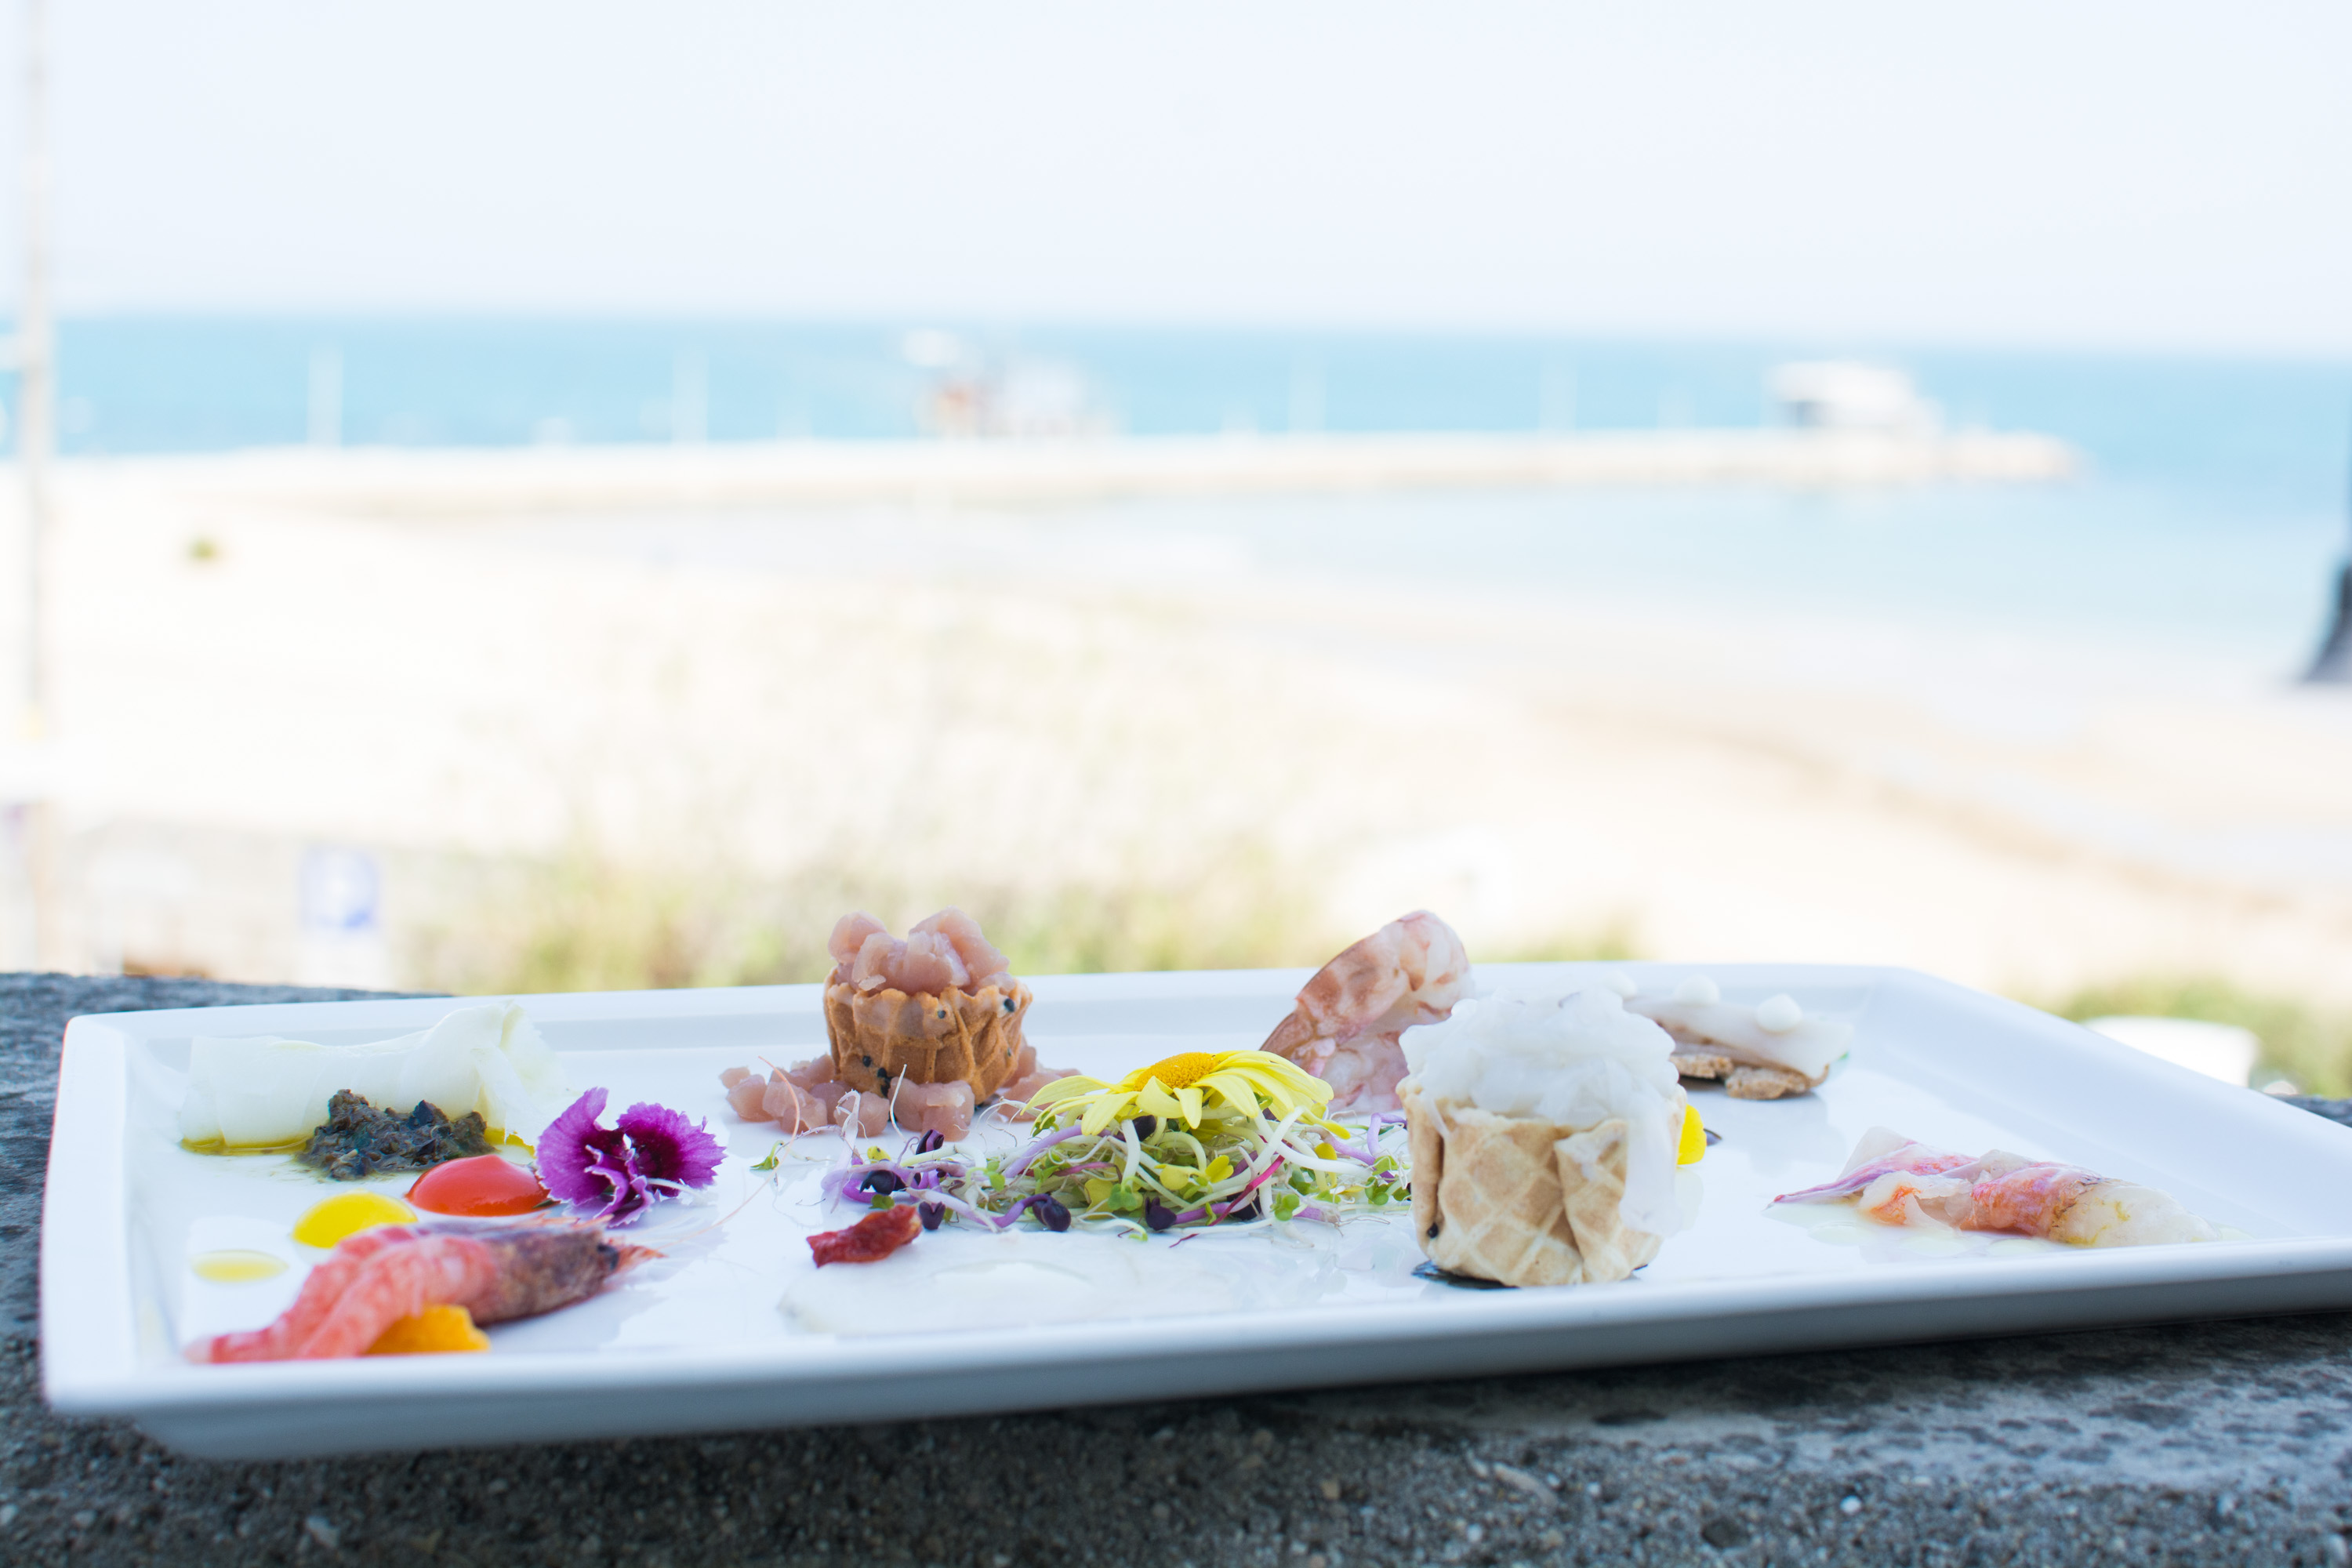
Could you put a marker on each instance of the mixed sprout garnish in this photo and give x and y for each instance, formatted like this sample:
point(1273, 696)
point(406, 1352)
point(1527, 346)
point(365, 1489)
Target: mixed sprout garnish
point(1201, 1139)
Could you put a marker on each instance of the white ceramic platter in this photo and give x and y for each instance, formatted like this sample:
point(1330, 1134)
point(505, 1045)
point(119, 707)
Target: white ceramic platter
point(737, 1328)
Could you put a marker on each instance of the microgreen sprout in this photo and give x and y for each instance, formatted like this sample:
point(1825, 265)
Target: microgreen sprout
point(1138, 1174)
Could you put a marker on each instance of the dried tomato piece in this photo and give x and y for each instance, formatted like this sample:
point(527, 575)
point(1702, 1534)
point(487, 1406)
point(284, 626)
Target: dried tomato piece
point(875, 1236)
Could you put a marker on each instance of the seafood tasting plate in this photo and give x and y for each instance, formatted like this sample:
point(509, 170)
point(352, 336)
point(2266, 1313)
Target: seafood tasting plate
point(733, 1326)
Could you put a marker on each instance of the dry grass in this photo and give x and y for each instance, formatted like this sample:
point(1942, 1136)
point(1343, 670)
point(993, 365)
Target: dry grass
point(2308, 1047)
point(587, 923)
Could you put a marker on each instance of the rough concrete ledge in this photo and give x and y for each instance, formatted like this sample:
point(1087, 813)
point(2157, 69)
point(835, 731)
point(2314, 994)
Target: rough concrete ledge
point(2223, 1443)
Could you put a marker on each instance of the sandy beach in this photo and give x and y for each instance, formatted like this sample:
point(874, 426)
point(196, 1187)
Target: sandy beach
point(920, 704)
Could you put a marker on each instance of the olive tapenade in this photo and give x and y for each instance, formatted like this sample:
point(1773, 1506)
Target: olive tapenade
point(359, 1140)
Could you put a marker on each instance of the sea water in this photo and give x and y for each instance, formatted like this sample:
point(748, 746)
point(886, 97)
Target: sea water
point(2209, 517)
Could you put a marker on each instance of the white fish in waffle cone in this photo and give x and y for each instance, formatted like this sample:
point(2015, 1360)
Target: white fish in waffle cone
point(1520, 1200)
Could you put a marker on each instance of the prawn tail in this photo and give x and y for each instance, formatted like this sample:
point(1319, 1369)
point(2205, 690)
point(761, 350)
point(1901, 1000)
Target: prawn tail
point(1829, 1192)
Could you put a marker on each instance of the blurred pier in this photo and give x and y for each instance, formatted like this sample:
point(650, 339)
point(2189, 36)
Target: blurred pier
point(445, 480)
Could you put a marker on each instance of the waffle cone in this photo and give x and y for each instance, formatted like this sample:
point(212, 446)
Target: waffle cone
point(881, 1036)
point(1518, 1200)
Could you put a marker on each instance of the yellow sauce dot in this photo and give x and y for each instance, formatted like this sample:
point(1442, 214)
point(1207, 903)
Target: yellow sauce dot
point(435, 1331)
point(1692, 1147)
point(236, 1265)
point(348, 1214)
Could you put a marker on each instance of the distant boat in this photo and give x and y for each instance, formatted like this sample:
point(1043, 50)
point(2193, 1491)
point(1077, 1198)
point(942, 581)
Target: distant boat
point(1847, 394)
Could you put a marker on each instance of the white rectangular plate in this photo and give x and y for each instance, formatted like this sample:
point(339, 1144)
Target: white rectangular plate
point(737, 1328)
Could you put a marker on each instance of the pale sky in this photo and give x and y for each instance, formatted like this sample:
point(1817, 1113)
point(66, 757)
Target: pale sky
point(2144, 173)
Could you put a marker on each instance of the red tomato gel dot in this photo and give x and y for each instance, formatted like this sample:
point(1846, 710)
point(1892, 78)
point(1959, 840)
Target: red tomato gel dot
point(484, 1184)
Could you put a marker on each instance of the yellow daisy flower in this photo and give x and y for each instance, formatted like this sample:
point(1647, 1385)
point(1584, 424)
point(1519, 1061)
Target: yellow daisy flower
point(1251, 1082)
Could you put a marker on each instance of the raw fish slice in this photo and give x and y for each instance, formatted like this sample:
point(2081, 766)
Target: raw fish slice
point(987, 966)
point(941, 1107)
point(947, 949)
point(747, 1095)
point(928, 964)
point(784, 1102)
point(811, 1072)
point(878, 961)
point(260, 1093)
point(849, 937)
point(1806, 1048)
point(866, 1114)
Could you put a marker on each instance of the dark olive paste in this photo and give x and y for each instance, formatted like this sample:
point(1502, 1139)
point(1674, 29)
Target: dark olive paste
point(358, 1140)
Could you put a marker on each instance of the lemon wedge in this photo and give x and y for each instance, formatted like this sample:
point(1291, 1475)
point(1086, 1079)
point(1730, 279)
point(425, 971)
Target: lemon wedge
point(1691, 1147)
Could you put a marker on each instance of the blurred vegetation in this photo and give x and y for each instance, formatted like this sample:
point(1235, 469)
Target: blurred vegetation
point(585, 924)
point(2310, 1048)
point(1613, 941)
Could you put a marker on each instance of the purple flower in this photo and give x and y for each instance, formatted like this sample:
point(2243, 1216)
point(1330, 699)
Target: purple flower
point(614, 1174)
point(570, 1142)
point(668, 1147)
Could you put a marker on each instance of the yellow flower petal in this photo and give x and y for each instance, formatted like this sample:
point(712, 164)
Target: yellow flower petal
point(1246, 1081)
point(1176, 1071)
point(1153, 1099)
point(1063, 1089)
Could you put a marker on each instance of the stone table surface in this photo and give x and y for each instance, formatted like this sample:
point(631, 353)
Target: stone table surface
point(2224, 1443)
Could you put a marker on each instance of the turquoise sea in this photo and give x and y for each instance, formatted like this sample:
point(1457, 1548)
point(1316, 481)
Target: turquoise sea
point(2211, 516)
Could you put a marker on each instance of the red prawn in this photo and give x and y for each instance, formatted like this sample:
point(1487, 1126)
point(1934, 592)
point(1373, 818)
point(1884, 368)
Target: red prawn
point(377, 1278)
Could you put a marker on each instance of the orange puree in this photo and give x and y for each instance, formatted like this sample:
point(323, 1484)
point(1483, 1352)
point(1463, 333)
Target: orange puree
point(432, 1331)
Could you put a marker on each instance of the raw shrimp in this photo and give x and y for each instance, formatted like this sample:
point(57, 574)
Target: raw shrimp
point(1878, 1152)
point(380, 1276)
point(1897, 1181)
point(1344, 1029)
point(2079, 1207)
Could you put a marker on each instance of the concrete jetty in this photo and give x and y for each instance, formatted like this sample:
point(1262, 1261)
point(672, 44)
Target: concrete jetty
point(405, 481)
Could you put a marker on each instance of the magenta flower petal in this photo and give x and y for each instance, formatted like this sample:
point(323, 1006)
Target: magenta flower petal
point(668, 1147)
point(625, 1194)
point(571, 1145)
